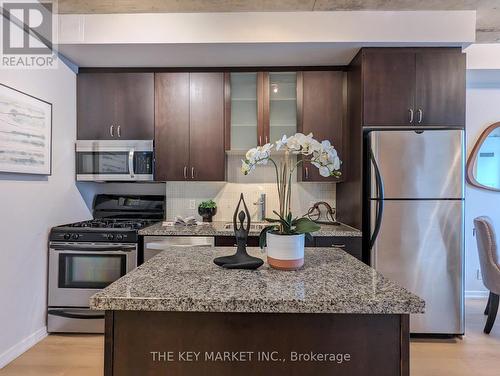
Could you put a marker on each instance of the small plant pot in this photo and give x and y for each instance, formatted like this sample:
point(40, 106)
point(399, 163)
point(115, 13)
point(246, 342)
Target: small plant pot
point(285, 252)
point(207, 213)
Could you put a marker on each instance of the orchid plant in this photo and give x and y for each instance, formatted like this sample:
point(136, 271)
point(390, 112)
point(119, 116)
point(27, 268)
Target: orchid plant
point(320, 154)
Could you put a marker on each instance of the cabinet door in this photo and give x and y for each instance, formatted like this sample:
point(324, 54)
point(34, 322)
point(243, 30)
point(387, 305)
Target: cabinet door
point(282, 112)
point(206, 131)
point(97, 106)
point(351, 245)
point(440, 88)
point(171, 126)
point(135, 106)
point(388, 87)
point(244, 104)
point(322, 110)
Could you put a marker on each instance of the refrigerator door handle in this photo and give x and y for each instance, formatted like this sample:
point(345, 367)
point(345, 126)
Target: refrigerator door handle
point(380, 200)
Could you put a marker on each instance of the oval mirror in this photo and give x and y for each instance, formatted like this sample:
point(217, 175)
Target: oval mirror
point(483, 165)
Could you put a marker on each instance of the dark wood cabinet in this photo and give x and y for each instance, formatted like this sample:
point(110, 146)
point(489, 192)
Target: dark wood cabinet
point(352, 245)
point(322, 112)
point(115, 106)
point(413, 87)
point(440, 88)
point(189, 129)
point(206, 131)
point(172, 126)
point(389, 87)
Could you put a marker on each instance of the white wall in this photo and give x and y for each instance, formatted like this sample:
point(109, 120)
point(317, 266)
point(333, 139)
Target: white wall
point(483, 109)
point(31, 205)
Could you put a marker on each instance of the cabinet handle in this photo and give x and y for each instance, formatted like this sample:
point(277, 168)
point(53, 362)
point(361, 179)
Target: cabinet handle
point(420, 115)
point(119, 130)
point(111, 130)
point(307, 173)
point(260, 140)
point(192, 172)
point(410, 110)
point(338, 245)
point(267, 139)
point(185, 172)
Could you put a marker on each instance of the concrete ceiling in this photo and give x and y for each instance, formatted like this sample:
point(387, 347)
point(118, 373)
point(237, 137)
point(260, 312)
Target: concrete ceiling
point(488, 11)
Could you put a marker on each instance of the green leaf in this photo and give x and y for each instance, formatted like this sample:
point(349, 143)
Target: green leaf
point(272, 220)
point(305, 225)
point(278, 214)
point(262, 235)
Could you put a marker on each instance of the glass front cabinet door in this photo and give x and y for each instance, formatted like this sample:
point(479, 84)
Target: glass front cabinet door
point(282, 105)
point(244, 122)
point(263, 107)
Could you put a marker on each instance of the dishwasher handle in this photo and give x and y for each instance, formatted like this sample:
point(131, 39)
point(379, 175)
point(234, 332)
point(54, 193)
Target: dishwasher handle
point(165, 245)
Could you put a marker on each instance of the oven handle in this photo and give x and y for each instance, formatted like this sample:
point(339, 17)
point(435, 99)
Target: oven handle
point(61, 313)
point(131, 162)
point(93, 248)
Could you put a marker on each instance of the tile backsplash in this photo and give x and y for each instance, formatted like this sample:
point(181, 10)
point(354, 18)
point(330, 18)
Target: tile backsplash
point(182, 195)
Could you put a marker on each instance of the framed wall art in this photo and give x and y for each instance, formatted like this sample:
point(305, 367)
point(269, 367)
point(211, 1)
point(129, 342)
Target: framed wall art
point(25, 133)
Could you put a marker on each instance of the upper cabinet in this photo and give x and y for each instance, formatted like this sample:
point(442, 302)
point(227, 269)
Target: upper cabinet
point(189, 129)
point(282, 93)
point(261, 108)
point(245, 103)
point(412, 87)
point(323, 113)
point(115, 106)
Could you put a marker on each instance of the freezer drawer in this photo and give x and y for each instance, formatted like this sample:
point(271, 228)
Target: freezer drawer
point(419, 165)
point(420, 246)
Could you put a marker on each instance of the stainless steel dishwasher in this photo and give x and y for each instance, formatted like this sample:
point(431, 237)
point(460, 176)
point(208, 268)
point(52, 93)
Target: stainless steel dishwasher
point(156, 244)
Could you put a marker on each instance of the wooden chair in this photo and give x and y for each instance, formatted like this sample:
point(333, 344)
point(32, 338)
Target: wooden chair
point(489, 260)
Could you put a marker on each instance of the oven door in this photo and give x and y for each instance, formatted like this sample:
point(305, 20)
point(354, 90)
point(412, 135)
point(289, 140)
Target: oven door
point(118, 160)
point(78, 270)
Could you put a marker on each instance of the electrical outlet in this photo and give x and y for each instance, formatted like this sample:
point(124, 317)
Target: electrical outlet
point(192, 204)
point(478, 275)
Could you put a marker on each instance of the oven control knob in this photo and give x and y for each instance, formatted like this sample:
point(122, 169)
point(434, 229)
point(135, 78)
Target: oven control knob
point(67, 236)
point(110, 236)
point(119, 237)
point(74, 236)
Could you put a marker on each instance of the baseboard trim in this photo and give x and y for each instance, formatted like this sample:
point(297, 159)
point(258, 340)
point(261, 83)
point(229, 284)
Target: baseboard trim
point(22, 346)
point(476, 294)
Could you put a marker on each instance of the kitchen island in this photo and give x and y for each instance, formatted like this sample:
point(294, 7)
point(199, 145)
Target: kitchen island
point(179, 314)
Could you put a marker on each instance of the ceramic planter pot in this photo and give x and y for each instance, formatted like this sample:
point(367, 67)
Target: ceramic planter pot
point(285, 252)
point(207, 213)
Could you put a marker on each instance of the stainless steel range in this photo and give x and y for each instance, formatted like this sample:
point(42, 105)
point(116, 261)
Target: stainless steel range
point(85, 257)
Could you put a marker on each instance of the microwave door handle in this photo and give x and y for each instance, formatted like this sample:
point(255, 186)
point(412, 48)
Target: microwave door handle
point(380, 200)
point(131, 162)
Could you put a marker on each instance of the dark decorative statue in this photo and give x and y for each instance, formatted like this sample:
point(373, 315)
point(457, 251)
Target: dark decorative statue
point(241, 259)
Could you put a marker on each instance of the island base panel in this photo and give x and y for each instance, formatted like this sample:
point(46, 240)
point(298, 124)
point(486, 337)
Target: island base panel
point(200, 343)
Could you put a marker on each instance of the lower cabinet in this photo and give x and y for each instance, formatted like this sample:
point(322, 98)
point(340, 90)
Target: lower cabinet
point(351, 245)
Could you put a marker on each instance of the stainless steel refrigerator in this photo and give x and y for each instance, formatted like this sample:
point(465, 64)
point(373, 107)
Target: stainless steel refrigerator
point(415, 197)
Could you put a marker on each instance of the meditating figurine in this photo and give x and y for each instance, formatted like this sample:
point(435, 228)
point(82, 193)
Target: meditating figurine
point(241, 259)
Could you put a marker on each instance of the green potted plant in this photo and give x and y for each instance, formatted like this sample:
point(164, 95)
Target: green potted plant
point(207, 209)
point(285, 236)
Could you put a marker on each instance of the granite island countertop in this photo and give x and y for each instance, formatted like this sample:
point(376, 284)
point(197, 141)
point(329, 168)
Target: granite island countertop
point(331, 281)
point(217, 228)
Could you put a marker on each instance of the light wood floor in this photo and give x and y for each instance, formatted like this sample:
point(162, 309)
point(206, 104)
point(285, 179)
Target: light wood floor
point(476, 354)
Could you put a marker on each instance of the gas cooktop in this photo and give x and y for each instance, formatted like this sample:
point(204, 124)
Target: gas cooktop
point(116, 219)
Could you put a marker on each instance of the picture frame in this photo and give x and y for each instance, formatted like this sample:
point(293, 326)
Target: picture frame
point(25, 133)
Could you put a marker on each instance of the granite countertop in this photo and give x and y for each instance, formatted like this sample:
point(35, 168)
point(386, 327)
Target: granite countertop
point(331, 281)
point(217, 229)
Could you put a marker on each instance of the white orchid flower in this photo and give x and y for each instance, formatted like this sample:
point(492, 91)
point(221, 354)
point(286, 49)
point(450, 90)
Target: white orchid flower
point(281, 143)
point(324, 171)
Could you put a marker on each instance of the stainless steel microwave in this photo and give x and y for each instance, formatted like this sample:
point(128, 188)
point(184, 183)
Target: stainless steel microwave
point(114, 160)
